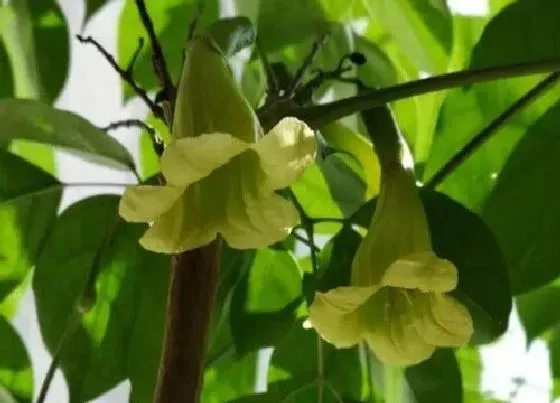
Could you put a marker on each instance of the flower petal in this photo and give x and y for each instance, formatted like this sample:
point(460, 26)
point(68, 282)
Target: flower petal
point(443, 321)
point(424, 271)
point(256, 223)
point(285, 152)
point(183, 227)
point(390, 329)
point(189, 159)
point(335, 314)
point(144, 203)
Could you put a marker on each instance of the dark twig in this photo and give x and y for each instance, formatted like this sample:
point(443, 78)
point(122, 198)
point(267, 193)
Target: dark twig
point(157, 142)
point(305, 241)
point(125, 74)
point(272, 86)
point(298, 78)
point(481, 138)
point(159, 61)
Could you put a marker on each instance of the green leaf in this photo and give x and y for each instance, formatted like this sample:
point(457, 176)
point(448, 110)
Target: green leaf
point(335, 259)
point(92, 7)
point(437, 379)
point(233, 34)
point(527, 235)
point(462, 237)
point(52, 46)
point(422, 28)
point(279, 25)
point(39, 123)
point(345, 139)
point(334, 187)
point(536, 310)
point(29, 201)
point(230, 379)
point(504, 42)
point(171, 20)
point(16, 375)
point(121, 336)
point(7, 83)
point(264, 302)
point(295, 360)
point(554, 354)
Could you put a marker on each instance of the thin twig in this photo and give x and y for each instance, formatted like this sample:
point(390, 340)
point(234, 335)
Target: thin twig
point(295, 84)
point(157, 142)
point(68, 332)
point(320, 115)
point(305, 241)
point(196, 19)
point(481, 138)
point(159, 61)
point(272, 86)
point(125, 74)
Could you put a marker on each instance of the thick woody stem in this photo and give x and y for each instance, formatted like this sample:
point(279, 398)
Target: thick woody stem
point(194, 279)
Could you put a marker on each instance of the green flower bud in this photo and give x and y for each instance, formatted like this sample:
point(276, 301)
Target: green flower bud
point(398, 301)
point(221, 173)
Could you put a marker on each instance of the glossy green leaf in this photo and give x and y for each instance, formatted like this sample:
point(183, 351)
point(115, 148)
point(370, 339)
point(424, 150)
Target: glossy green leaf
point(523, 208)
point(233, 34)
point(537, 310)
point(36, 122)
point(264, 301)
point(171, 21)
point(462, 237)
point(436, 379)
point(120, 337)
point(29, 200)
point(16, 375)
point(293, 371)
point(422, 28)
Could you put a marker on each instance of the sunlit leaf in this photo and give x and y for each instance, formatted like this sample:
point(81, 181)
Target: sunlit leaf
point(36, 122)
point(121, 336)
point(264, 302)
point(16, 375)
point(29, 200)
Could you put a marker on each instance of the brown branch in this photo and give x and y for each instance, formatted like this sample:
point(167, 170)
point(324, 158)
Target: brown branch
point(157, 142)
point(194, 280)
point(126, 74)
point(159, 62)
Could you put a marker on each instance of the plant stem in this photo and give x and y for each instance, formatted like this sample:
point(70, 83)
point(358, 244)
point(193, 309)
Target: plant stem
point(320, 115)
point(477, 141)
point(68, 332)
point(393, 381)
point(194, 280)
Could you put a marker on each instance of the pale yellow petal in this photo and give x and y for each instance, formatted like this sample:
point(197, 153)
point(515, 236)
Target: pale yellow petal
point(390, 329)
point(189, 159)
point(285, 152)
point(187, 225)
point(423, 271)
point(334, 314)
point(256, 223)
point(442, 320)
point(144, 203)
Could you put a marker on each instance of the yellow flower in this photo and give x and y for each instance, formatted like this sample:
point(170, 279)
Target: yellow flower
point(398, 301)
point(221, 173)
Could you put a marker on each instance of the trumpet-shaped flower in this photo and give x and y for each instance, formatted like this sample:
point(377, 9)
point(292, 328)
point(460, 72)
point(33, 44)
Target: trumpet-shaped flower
point(398, 301)
point(221, 174)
